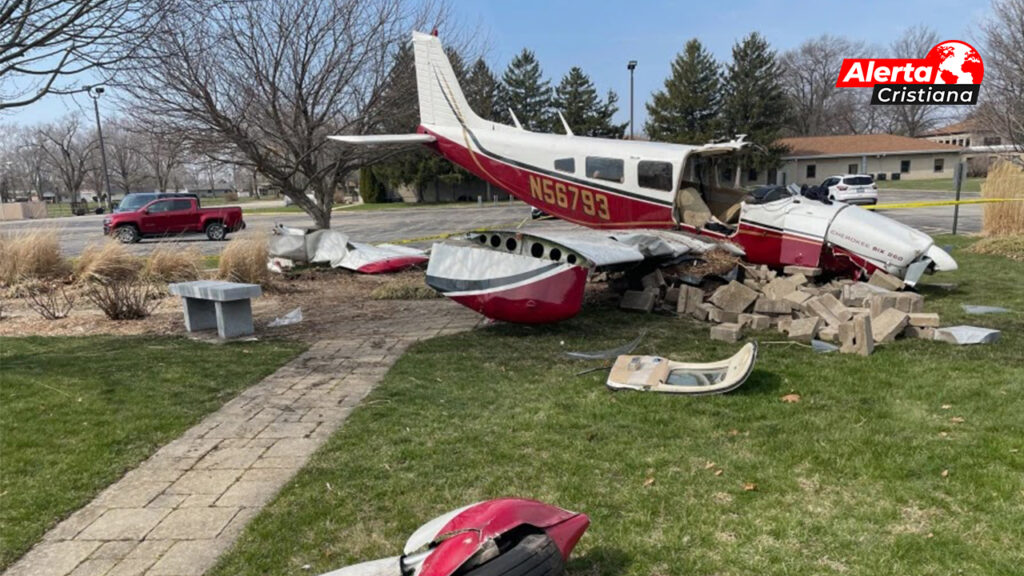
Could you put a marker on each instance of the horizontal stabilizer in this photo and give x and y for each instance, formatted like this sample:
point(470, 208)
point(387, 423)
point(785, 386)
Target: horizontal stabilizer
point(385, 139)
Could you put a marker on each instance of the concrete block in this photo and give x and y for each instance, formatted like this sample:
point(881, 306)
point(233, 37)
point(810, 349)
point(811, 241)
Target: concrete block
point(702, 311)
point(720, 316)
point(755, 321)
point(924, 319)
point(804, 329)
point(734, 297)
point(798, 280)
point(919, 332)
point(729, 332)
point(857, 293)
point(909, 302)
point(881, 302)
point(828, 334)
point(829, 309)
point(805, 270)
point(767, 305)
point(884, 280)
point(752, 284)
point(855, 336)
point(778, 288)
point(642, 301)
point(782, 324)
point(690, 297)
point(887, 325)
point(234, 318)
point(653, 281)
point(797, 299)
point(811, 290)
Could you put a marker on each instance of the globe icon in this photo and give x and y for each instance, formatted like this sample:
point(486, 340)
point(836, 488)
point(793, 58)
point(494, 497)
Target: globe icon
point(956, 62)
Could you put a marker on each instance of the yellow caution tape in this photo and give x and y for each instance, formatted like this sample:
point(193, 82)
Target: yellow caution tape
point(939, 203)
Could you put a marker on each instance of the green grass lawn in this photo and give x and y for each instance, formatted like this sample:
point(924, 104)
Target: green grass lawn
point(943, 184)
point(77, 413)
point(910, 461)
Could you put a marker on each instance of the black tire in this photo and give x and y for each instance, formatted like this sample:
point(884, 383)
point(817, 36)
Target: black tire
point(534, 555)
point(216, 231)
point(127, 234)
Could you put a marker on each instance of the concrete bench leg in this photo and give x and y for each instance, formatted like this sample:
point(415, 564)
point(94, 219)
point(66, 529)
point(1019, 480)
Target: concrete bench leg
point(199, 314)
point(234, 318)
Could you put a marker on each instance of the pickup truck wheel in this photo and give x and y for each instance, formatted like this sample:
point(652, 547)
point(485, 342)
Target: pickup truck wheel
point(216, 231)
point(127, 234)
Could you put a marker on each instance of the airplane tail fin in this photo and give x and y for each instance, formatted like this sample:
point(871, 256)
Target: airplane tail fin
point(442, 102)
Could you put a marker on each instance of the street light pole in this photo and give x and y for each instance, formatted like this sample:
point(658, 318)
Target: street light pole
point(631, 66)
point(94, 93)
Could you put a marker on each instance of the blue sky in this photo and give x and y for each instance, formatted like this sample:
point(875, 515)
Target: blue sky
point(601, 36)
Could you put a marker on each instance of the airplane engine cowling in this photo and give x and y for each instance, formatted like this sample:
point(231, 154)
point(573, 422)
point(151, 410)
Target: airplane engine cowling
point(882, 241)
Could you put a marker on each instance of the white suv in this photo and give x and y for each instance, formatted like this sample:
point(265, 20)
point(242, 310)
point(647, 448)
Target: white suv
point(852, 188)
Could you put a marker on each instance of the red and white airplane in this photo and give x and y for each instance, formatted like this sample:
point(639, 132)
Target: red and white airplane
point(640, 200)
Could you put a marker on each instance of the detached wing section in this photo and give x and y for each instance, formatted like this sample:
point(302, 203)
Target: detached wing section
point(540, 277)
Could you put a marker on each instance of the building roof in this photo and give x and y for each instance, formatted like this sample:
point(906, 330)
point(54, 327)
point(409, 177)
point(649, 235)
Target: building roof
point(861, 144)
point(962, 127)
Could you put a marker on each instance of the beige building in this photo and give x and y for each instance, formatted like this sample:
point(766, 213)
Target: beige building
point(885, 156)
point(980, 146)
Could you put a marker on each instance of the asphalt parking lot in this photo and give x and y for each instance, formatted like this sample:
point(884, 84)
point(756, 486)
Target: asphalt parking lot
point(421, 222)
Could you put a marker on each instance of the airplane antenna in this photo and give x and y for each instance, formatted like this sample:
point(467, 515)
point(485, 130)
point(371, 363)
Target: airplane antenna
point(568, 131)
point(514, 119)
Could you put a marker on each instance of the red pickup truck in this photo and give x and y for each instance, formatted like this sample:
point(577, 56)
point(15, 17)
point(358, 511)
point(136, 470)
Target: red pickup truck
point(172, 216)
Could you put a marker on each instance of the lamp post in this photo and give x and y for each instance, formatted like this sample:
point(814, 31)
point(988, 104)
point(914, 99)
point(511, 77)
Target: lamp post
point(95, 92)
point(631, 66)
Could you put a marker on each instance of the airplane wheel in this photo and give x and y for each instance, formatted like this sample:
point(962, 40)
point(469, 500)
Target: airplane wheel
point(534, 555)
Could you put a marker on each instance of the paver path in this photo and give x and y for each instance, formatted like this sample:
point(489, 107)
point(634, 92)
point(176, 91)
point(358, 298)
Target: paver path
point(182, 508)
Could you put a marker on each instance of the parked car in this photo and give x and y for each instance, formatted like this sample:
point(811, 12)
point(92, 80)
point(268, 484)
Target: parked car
point(172, 216)
point(133, 202)
point(852, 188)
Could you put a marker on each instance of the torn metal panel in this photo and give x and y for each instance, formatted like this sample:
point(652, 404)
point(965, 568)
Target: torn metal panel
point(335, 249)
point(657, 374)
point(964, 335)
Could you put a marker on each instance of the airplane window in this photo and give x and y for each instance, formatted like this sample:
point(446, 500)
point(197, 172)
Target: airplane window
point(655, 175)
point(610, 169)
point(566, 165)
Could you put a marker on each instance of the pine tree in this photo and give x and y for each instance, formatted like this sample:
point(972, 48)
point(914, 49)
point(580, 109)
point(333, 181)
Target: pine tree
point(754, 102)
point(526, 92)
point(687, 109)
point(481, 89)
point(576, 98)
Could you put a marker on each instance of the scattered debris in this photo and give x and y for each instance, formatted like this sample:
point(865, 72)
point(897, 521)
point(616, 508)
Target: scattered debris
point(790, 398)
point(963, 335)
point(293, 317)
point(657, 374)
point(823, 347)
point(642, 301)
point(727, 332)
point(289, 245)
point(975, 309)
point(611, 352)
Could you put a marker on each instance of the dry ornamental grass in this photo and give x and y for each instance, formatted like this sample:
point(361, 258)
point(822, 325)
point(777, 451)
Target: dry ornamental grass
point(174, 263)
point(107, 261)
point(1005, 180)
point(245, 260)
point(32, 255)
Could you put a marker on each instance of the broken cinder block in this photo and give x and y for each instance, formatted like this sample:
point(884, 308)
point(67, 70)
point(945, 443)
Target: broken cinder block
point(805, 270)
point(797, 299)
point(653, 281)
point(804, 329)
point(919, 332)
point(829, 309)
point(924, 319)
point(909, 302)
point(778, 288)
point(728, 332)
point(881, 302)
point(642, 301)
point(887, 325)
point(855, 336)
point(884, 280)
point(768, 305)
point(755, 321)
point(734, 297)
point(690, 298)
point(726, 316)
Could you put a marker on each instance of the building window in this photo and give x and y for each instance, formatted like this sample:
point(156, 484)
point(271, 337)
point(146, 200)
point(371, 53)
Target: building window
point(655, 175)
point(851, 168)
point(940, 164)
point(904, 166)
point(566, 165)
point(812, 170)
point(752, 175)
point(992, 141)
point(610, 169)
point(967, 142)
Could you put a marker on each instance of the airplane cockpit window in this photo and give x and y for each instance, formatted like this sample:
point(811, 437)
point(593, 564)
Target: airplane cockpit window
point(566, 165)
point(611, 169)
point(654, 175)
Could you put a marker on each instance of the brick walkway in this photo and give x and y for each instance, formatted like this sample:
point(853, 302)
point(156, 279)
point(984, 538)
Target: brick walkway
point(182, 508)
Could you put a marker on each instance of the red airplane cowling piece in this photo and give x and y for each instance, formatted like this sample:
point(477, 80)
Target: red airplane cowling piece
point(504, 537)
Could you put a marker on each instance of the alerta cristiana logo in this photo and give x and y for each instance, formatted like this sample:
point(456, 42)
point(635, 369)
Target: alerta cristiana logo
point(950, 74)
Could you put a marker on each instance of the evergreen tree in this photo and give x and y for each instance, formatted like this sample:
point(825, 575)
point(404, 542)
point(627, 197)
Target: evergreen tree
point(686, 110)
point(577, 100)
point(526, 92)
point(481, 88)
point(754, 102)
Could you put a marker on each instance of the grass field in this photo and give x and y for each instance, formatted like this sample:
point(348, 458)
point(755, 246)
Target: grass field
point(941, 184)
point(77, 413)
point(910, 461)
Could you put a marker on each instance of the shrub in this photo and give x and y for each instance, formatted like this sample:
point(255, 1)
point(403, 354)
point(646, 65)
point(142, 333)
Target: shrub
point(50, 299)
point(31, 255)
point(173, 263)
point(1011, 247)
point(108, 261)
point(404, 290)
point(231, 196)
point(245, 260)
point(1005, 180)
point(127, 298)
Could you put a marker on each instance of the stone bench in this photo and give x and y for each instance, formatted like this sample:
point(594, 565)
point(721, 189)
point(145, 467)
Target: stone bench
point(210, 303)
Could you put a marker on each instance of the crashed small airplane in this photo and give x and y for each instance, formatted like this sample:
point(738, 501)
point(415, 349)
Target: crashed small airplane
point(634, 195)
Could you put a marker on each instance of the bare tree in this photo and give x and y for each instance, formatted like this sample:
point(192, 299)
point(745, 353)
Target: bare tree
point(810, 72)
point(44, 43)
point(271, 80)
point(1003, 111)
point(67, 150)
point(913, 119)
point(127, 165)
point(162, 154)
